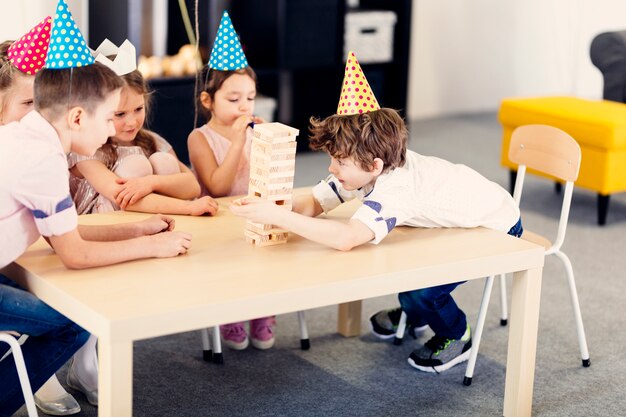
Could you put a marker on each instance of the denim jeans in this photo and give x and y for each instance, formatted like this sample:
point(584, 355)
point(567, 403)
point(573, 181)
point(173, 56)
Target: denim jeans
point(52, 340)
point(436, 307)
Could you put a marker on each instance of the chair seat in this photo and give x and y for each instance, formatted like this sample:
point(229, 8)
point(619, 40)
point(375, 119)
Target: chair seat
point(536, 239)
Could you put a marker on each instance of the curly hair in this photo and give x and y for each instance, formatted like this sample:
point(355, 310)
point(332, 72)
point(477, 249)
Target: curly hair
point(364, 137)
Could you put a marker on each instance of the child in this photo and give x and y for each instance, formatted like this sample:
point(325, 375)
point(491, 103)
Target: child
point(136, 169)
point(74, 112)
point(369, 161)
point(16, 100)
point(220, 150)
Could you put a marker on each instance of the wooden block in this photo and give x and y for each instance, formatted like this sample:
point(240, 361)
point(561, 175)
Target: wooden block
point(275, 132)
point(266, 240)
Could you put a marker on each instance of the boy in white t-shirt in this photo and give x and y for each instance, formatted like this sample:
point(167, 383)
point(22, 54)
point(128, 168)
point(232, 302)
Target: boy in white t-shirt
point(398, 187)
point(74, 109)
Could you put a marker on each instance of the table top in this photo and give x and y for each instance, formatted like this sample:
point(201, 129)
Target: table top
point(224, 279)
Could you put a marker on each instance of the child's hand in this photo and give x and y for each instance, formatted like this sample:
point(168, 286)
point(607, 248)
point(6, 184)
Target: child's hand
point(257, 210)
point(133, 190)
point(155, 224)
point(170, 244)
point(239, 127)
point(257, 119)
point(203, 205)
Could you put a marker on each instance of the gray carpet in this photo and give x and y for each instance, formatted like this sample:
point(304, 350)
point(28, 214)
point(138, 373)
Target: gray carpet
point(364, 377)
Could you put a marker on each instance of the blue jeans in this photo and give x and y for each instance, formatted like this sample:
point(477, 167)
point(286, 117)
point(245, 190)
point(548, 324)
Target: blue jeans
point(52, 340)
point(436, 307)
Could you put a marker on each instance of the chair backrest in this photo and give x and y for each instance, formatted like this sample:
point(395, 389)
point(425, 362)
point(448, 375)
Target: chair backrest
point(16, 350)
point(608, 54)
point(550, 151)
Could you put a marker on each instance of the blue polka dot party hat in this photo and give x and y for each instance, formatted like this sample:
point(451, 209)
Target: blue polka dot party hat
point(67, 46)
point(227, 54)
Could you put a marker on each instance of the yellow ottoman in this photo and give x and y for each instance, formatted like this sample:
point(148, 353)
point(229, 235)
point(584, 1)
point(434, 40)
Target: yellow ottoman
point(598, 126)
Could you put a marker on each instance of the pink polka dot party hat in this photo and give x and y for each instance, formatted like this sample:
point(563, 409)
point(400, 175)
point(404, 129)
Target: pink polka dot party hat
point(28, 54)
point(356, 95)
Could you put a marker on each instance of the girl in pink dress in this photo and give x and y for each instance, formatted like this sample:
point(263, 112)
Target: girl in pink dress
point(220, 157)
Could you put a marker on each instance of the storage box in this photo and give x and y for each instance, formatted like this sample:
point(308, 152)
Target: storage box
point(369, 34)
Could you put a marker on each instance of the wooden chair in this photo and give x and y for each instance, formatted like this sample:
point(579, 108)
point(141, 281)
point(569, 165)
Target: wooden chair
point(16, 351)
point(552, 152)
point(212, 344)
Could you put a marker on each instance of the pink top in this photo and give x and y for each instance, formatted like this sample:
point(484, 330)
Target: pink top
point(34, 186)
point(220, 146)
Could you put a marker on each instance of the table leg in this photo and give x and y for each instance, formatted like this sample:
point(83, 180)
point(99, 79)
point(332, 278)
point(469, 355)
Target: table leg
point(115, 380)
point(349, 319)
point(520, 365)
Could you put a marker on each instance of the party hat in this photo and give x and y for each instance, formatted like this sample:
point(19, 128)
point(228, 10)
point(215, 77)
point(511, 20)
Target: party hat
point(67, 45)
point(227, 54)
point(28, 54)
point(125, 60)
point(356, 94)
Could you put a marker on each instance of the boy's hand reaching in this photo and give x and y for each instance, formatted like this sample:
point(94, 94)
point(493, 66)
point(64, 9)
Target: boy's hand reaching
point(133, 189)
point(155, 224)
point(257, 210)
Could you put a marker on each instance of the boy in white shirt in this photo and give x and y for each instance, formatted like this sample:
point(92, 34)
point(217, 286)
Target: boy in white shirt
point(74, 112)
point(369, 161)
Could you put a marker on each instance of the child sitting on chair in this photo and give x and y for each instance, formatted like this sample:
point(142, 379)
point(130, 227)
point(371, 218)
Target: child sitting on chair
point(135, 169)
point(398, 187)
point(220, 150)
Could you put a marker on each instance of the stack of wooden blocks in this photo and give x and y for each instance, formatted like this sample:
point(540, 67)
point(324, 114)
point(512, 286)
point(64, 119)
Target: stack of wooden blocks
point(272, 167)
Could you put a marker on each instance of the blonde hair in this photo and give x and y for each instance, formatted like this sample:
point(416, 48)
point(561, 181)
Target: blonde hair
point(144, 139)
point(364, 137)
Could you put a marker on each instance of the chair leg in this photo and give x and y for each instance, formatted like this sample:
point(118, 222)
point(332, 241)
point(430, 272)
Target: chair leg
point(478, 331)
point(504, 313)
point(207, 353)
point(218, 357)
point(580, 330)
point(400, 330)
point(305, 343)
point(22, 374)
point(603, 208)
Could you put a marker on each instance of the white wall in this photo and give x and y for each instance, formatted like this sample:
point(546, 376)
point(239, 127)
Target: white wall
point(466, 55)
point(19, 16)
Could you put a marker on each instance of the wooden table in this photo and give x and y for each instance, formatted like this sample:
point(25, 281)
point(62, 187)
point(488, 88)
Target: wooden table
point(223, 279)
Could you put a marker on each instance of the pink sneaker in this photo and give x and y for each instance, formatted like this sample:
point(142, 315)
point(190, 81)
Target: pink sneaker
point(261, 332)
point(234, 336)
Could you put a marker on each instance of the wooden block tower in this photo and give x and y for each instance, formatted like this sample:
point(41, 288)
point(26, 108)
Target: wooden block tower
point(272, 167)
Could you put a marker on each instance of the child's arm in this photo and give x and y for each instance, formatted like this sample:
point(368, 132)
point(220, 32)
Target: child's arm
point(182, 185)
point(104, 182)
point(336, 234)
point(78, 253)
point(307, 205)
point(218, 179)
point(149, 226)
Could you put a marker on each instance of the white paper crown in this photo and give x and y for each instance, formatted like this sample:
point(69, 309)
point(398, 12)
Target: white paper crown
point(125, 60)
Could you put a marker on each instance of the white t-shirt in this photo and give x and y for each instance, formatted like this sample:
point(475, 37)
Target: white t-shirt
point(34, 186)
point(425, 192)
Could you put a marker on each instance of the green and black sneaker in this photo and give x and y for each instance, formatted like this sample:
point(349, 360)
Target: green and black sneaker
point(440, 353)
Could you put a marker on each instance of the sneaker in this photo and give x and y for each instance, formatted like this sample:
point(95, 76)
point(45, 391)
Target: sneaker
point(262, 333)
point(440, 353)
point(385, 324)
point(234, 336)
